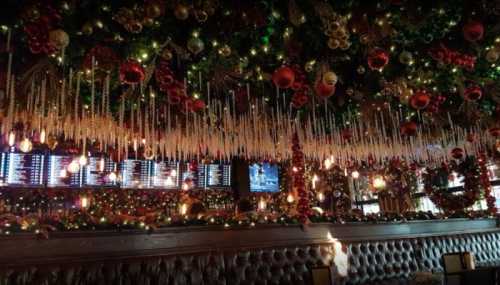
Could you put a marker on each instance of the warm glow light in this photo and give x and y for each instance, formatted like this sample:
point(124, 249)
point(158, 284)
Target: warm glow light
point(315, 179)
point(12, 139)
point(289, 198)
point(320, 196)
point(74, 167)
point(63, 173)
point(183, 209)
point(112, 177)
point(295, 169)
point(82, 160)
point(328, 163)
point(355, 174)
point(43, 136)
point(25, 145)
point(262, 205)
point(185, 186)
point(173, 173)
point(169, 181)
point(340, 258)
point(379, 182)
point(84, 202)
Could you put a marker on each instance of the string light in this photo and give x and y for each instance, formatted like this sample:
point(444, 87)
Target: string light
point(355, 174)
point(379, 182)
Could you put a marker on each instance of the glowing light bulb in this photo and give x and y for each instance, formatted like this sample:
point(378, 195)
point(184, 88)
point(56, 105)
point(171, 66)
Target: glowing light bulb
point(43, 136)
point(295, 169)
point(112, 177)
point(82, 160)
point(262, 205)
point(379, 182)
point(290, 199)
point(183, 209)
point(320, 196)
point(12, 139)
point(25, 145)
point(63, 173)
point(315, 179)
point(185, 186)
point(355, 174)
point(173, 173)
point(74, 167)
point(169, 181)
point(328, 163)
point(84, 202)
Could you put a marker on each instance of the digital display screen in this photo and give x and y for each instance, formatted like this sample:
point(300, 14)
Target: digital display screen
point(194, 175)
point(59, 175)
point(165, 175)
point(218, 175)
point(2, 167)
point(264, 178)
point(97, 171)
point(136, 173)
point(24, 169)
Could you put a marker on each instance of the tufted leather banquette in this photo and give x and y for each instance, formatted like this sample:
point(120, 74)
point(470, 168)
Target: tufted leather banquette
point(393, 260)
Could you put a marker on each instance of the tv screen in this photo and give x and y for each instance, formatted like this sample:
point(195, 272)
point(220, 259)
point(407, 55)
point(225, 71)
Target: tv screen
point(218, 175)
point(264, 178)
point(97, 171)
point(136, 173)
point(59, 176)
point(165, 175)
point(24, 169)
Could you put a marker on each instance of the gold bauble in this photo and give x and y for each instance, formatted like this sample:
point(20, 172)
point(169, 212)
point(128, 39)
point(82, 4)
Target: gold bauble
point(153, 10)
point(59, 39)
point(201, 16)
point(333, 43)
point(88, 29)
point(181, 12)
point(148, 22)
point(166, 54)
point(330, 78)
point(492, 55)
point(225, 51)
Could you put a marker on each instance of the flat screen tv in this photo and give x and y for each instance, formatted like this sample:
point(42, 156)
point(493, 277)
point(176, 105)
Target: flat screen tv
point(264, 177)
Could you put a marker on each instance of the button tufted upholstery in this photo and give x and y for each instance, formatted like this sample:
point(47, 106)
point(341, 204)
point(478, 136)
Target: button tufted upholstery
point(369, 262)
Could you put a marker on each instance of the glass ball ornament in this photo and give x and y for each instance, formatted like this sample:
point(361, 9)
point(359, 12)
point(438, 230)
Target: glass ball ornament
point(330, 78)
point(181, 12)
point(492, 55)
point(406, 58)
point(361, 69)
point(59, 39)
point(195, 45)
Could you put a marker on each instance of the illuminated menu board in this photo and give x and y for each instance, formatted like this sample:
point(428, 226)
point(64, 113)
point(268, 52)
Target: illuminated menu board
point(97, 171)
point(196, 174)
point(136, 173)
point(2, 167)
point(165, 175)
point(218, 175)
point(24, 169)
point(59, 176)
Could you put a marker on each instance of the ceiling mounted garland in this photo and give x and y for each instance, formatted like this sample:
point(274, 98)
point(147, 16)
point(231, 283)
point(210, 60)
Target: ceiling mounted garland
point(354, 80)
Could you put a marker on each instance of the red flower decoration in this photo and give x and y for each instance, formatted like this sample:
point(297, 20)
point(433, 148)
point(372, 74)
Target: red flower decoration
point(420, 100)
point(473, 31)
point(378, 58)
point(284, 77)
point(131, 72)
point(473, 93)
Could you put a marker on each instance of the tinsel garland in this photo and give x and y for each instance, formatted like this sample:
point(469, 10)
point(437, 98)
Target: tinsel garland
point(485, 182)
point(303, 207)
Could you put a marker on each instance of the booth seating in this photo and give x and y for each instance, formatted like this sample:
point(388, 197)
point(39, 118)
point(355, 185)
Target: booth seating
point(267, 255)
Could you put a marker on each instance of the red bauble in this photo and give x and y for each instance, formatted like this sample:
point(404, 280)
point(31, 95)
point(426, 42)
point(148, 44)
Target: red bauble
point(457, 153)
point(494, 131)
point(420, 100)
point(198, 105)
point(378, 58)
point(408, 128)
point(473, 93)
point(323, 90)
point(473, 31)
point(284, 77)
point(131, 72)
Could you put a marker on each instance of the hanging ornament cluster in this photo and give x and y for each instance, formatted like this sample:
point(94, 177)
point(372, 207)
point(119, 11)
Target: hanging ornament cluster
point(131, 72)
point(298, 169)
point(444, 55)
point(40, 30)
point(325, 84)
point(133, 20)
point(377, 59)
point(334, 26)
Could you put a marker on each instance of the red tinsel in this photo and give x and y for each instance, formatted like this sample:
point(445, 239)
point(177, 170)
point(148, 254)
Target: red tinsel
point(303, 207)
point(447, 56)
point(485, 182)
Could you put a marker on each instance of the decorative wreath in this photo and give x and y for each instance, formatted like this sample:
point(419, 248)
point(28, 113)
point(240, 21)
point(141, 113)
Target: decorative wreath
point(436, 185)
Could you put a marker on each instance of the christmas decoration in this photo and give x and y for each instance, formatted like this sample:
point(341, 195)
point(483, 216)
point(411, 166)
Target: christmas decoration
point(409, 128)
point(420, 100)
point(303, 206)
point(131, 72)
point(473, 31)
point(324, 90)
point(457, 153)
point(377, 59)
point(473, 93)
point(58, 39)
point(195, 45)
point(284, 77)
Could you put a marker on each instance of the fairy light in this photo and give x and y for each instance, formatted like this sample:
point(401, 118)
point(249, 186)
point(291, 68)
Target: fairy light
point(112, 177)
point(320, 196)
point(183, 209)
point(25, 145)
point(43, 136)
point(315, 179)
point(262, 204)
point(12, 139)
point(355, 174)
point(379, 182)
point(82, 160)
point(290, 198)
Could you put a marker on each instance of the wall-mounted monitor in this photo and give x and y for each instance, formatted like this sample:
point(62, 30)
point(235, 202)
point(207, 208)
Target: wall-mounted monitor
point(264, 177)
point(218, 175)
point(23, 169)
point(59, 175)
point(165, 175)
point(136, 173)
point(97, 172)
